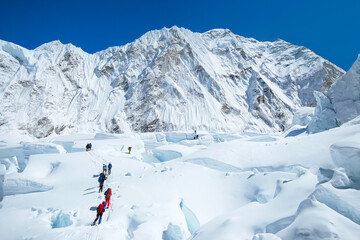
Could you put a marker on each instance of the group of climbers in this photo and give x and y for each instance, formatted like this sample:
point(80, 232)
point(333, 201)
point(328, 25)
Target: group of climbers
point(105, 204)
point(107, 169)
point(101, 208)
point(102, 177)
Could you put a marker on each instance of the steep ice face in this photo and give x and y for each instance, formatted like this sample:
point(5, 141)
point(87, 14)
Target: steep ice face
point(341, 103)
point(168, 79)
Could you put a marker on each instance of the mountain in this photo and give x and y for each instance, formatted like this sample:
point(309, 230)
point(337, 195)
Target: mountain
point(168, 79)
point(340, 104)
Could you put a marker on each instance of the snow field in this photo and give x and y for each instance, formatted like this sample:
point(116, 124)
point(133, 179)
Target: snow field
point(221, 186)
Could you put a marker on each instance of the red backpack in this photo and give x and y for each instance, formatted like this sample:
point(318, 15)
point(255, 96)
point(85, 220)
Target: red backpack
point(100, 208)
point(108, 193)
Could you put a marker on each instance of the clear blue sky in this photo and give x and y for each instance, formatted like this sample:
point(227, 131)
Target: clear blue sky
point(329, 28)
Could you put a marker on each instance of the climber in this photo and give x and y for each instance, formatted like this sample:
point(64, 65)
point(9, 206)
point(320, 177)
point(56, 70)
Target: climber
point(104, 168)
point(88, 147)
point(129, 148)
point(100, 210)
point(101, 181)
point(109, 168)
point(107, 197)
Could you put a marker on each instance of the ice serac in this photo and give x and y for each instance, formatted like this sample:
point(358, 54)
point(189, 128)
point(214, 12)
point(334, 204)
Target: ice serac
point(340, 104)
point(168, 79)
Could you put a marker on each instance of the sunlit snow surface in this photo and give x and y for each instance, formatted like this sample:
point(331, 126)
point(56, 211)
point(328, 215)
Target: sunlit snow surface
point(172, 187)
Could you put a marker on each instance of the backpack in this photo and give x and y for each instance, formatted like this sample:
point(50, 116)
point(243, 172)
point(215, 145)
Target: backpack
point(100, 208)
point(100, 179)
point(108, 193)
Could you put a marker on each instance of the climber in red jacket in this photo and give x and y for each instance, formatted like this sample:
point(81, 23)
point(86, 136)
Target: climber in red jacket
point(107, 197)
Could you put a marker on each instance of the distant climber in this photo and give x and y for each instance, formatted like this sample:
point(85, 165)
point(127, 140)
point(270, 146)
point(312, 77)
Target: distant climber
point(101, 181)
point(107, 197)
point(109, 168)
point(88, 147)
point(99, 212)
point(195, 135)
point(129, 148)
point(104, 168)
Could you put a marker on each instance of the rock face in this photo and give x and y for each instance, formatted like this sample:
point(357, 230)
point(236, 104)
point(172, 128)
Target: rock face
point(169, 79)
point(340, 104)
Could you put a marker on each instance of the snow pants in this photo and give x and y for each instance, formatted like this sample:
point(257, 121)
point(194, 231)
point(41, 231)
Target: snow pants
point(101, 187)
point(98, 216)
point(107, 201)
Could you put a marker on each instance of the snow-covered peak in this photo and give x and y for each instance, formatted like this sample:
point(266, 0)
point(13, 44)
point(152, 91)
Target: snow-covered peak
point(168, 79)
point(54, 48)
point(50, 45)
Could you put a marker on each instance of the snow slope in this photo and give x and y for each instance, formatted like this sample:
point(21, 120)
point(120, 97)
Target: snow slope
point(168, 79)
point(220, 186)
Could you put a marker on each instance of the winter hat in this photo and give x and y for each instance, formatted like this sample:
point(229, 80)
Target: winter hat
point(103, 202)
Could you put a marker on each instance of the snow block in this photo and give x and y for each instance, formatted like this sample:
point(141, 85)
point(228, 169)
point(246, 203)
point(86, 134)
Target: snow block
point(19, 155)
point(191, 220)
point(166, 155)
point(324, 195)
point(340, 104)
point(324, 117)
point(315, 220)
point(347, 155)
point(173, 232)
point(325, 175)
point(60, 219)
point(340, 180)
point(22, 186)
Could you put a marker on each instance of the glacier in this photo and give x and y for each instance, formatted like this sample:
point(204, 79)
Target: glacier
point(219, 186)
